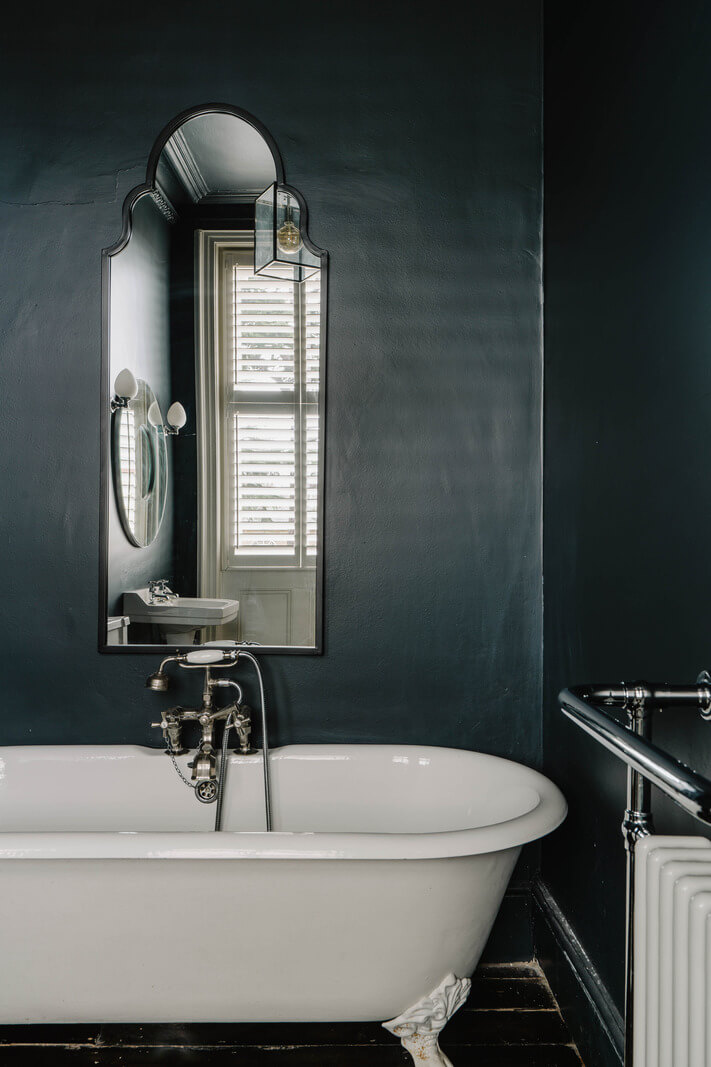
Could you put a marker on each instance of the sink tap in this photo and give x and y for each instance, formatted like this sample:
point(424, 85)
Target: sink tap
point(159, 591)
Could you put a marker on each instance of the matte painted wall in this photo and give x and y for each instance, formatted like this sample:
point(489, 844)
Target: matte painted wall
point(417, 145)
point(628, 380)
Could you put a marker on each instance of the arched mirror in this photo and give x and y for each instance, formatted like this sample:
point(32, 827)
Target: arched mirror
point(215, 312)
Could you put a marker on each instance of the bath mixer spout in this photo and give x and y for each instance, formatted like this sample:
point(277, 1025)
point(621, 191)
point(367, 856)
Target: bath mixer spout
point(204, 765)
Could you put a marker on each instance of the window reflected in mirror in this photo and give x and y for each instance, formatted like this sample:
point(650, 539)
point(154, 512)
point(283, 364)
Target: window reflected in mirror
point(263, 366)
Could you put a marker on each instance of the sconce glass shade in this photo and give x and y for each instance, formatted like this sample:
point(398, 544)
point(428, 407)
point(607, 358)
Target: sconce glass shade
point(280, 242)
point(125, 385)
point(176, 416)
point(154, 416)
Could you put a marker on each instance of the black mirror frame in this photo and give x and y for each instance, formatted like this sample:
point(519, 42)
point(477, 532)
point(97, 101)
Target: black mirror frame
point(105, 480)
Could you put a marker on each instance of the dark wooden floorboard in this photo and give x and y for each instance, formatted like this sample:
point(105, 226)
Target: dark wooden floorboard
point(510, 1020)
point(509, 970)
point(321, 1056)
point(309, 1056)
point(487, 993)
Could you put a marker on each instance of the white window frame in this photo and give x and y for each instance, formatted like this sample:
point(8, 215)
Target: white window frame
point(217, 398)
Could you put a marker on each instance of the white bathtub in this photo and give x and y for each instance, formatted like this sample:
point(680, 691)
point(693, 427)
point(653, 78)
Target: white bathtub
point(384, 875)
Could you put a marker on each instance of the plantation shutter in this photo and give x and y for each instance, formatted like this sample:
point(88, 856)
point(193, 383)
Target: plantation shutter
point(311, 297)
point(264, 483)
point(272, 410)
point(264, 333)
point(311, 478)
point(311, 292)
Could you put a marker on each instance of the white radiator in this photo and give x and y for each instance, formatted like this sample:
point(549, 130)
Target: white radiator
point(672, 952)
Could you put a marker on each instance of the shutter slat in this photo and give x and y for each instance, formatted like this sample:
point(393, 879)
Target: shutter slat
point(311, 472)
point(264, 484)
point(312, 339)
point(263, 333)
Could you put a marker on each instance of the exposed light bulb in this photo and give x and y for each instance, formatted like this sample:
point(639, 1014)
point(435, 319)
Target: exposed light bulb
point(288, 237)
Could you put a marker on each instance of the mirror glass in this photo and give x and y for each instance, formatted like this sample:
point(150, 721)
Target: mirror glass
point(213, 526)
point(140, 467)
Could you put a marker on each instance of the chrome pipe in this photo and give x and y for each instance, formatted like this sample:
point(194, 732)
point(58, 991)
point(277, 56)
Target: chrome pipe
point(636, 824)
point(265, 742)
point(651, 694)
point(691, 791)
point(223, 773)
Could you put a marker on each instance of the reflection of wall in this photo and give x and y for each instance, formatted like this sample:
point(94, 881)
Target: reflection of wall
point(416, 141)
point(140, 341)
point(628, 376)
point(182, 368)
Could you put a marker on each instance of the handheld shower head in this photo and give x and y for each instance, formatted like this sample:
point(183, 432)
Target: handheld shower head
point(160, 682)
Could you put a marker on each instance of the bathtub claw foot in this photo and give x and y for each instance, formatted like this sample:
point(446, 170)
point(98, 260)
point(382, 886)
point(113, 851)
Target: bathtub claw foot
point(420, 1026)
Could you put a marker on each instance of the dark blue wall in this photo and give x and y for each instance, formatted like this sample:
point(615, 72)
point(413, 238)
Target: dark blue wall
point(628, 381)
point(417, 144)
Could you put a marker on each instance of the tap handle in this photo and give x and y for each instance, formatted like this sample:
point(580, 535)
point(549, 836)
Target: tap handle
point(172, 716)
point(159, 589)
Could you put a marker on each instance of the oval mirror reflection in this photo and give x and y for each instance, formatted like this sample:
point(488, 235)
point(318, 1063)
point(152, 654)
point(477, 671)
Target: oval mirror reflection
point(139, 464)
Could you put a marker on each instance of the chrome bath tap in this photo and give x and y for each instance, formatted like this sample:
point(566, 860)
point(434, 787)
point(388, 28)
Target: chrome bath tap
point(236, 715)
point(207, 783)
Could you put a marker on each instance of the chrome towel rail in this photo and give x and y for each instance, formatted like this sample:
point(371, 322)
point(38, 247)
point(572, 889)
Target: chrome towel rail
point(586, 706)
point(689, 789)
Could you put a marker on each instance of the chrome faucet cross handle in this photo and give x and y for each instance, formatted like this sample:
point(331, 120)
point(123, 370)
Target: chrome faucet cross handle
point(242, 723)
point(159, 590)
point(171, 724)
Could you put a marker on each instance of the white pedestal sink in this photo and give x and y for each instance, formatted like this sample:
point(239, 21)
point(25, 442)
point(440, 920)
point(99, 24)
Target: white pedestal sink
point(179, 619)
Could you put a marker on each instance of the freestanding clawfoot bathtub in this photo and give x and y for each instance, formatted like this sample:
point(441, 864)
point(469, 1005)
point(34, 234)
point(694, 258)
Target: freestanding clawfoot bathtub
point(372, 899)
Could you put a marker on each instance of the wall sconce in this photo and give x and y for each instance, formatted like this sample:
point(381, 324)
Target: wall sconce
point(174, 420)
point(125, 389)
point(282, 248)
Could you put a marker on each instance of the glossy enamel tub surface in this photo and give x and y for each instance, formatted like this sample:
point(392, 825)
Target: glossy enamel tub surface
point(385, 873)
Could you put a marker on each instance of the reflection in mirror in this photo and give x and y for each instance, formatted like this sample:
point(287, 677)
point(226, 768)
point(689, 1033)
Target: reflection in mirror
point(236, 357)
point(139, 462)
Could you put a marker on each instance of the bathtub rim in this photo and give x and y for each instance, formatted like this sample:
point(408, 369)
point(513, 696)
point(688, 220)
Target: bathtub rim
point(513, 832)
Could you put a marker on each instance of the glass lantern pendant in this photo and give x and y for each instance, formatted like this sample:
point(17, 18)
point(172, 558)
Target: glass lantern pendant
point(281, 245)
